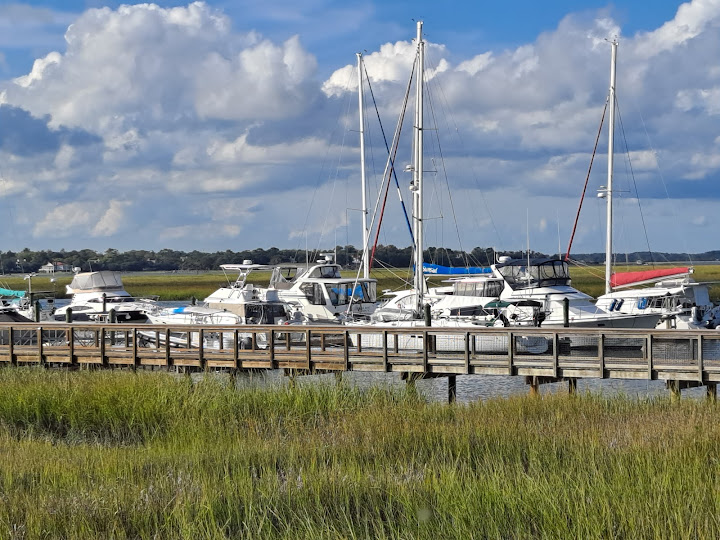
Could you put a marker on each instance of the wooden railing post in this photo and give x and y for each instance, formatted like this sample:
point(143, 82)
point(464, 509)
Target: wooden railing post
point(426, 347)
point(511, 352)
point(308, 346)
point(467, 352)
point(103, 359)
point(41, 356)
point(385, 351)
point(236, 352)
point(201, 349)
point(700, 361)
point(136, 361)
point(11, 346)
point(71, 345)
point(167, 348)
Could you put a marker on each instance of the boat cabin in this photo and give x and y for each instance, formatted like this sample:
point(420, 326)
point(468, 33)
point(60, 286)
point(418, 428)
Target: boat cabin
point(321, 293)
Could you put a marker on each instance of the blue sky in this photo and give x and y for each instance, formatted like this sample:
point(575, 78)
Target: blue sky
point(230, 125)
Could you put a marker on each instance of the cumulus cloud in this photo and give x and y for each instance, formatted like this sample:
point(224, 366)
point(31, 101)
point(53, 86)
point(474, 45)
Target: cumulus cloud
point(178, 124)
point(65, 220)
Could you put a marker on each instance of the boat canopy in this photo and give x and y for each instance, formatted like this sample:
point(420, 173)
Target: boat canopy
point(11, 292)
point(525, 274)
point(96, 281)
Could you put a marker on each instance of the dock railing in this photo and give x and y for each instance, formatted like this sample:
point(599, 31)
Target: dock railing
point(557, 353)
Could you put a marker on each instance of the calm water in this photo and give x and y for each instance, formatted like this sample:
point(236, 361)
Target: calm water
point(477, 387)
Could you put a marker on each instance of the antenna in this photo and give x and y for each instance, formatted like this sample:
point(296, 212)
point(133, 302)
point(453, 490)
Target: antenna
point(557, 218)
point(527, 232)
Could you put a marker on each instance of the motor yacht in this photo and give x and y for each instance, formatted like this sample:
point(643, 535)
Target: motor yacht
point(96, 294)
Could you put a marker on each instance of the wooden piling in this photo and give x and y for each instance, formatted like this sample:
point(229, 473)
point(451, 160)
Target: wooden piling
point(711, 391)
point(674, 387)
point(452, 388)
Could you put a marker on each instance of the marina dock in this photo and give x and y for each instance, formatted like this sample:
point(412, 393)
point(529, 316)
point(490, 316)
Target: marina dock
point(684, 359)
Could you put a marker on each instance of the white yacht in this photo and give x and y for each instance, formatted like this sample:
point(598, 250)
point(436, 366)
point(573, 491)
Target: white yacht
point(238, 304)
point(680, 301)
point(252, 304)
point(316, 293)
point(672, 293)
point(535, 292)
point(322, 294)
point(95, 294)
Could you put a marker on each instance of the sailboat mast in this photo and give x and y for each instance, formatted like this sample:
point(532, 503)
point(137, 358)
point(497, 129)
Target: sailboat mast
point(363, 186)
point(611, 140)
point(419, 280)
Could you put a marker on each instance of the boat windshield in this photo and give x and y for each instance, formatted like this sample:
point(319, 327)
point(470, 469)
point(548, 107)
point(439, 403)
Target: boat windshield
point(343, 293)
point(543, 274)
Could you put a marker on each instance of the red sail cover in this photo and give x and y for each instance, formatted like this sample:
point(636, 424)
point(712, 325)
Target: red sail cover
point(628, 278)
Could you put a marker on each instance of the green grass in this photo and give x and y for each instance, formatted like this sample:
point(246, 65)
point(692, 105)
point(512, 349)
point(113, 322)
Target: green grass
point(184, 286)
point(149, 455)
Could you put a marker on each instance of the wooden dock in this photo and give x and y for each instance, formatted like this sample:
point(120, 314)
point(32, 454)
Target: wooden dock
point(682, 358)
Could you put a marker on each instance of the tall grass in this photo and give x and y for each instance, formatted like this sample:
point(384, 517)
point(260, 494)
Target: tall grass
point(116, 454)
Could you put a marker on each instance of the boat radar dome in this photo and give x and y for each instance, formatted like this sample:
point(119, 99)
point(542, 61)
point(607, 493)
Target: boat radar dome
point(247, 261)
point(503, 259)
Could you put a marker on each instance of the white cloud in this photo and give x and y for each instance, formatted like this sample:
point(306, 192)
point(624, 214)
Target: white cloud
point(95, 218)
point(177, 125)
point(142, 65)
point(691, 20)
point(112, 220)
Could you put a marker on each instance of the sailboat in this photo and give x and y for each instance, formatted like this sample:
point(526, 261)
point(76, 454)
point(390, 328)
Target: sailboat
point(680, 301)
point(526, 292)
point(407, 308)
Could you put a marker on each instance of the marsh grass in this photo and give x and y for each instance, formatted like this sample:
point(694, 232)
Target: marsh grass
point(117, 454)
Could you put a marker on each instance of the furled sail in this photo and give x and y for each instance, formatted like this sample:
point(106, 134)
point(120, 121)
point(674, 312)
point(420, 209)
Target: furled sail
point(625, 279)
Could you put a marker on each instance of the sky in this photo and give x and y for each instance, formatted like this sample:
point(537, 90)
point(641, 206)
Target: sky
point(233, 125)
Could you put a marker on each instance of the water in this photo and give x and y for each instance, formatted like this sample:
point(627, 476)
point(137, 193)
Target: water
point(472, 388)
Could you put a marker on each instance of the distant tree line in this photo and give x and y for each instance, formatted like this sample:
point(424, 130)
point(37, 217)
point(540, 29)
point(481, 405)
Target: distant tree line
point(27, 261)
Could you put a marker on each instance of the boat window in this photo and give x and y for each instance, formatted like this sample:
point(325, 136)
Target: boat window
point(408, 302)
point(264, 313)
point(326, 272)
point(492, 289)
point(462, 289)
point(313, 292)
point(340, 294)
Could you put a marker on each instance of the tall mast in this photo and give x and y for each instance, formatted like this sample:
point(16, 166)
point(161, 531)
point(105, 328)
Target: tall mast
point(363, 187)
point(611, 140)
point(419, 281)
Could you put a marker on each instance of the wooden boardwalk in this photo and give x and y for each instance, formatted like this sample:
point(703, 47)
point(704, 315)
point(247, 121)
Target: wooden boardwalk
point(683, 358)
